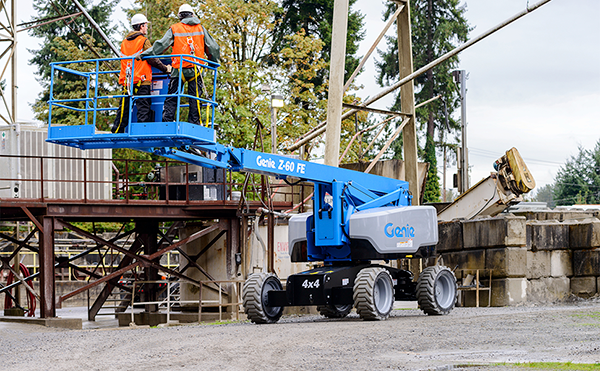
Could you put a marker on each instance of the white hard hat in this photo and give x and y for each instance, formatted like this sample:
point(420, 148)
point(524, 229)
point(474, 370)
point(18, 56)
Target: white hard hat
point(138, 19)
point(185, 8)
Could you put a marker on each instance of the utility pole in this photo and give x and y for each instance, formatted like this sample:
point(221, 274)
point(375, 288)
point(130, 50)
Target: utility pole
point(336, 82)
point(460, 77)
point(407, 102)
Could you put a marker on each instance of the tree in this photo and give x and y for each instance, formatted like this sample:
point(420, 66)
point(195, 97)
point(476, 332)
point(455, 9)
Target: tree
point(578, 181)
point(315, 18)
point(545, 194)
point(244, 30)
point(69, 39)
point(437, 26)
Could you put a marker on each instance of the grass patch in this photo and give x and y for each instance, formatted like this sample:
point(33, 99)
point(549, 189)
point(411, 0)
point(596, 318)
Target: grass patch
point(219, 322)
point(594, 315)
point(559, 366)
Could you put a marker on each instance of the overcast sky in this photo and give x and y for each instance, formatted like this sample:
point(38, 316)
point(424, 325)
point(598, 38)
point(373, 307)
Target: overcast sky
point(534, 85)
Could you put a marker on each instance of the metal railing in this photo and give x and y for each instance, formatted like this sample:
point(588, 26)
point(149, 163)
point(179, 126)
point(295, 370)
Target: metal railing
point(96, 79)
point(168, 303)
point(126, 182)
point(106, 262)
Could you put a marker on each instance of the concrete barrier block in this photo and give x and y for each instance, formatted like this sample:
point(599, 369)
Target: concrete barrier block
point(538, 264)
point(472, 259)
point(586, 262)
point(538, 215)
point(561, 263)
point(509, 291)
point(578, 214)
point(450, 236)
point(506, 230)
point(507, 262)
point(584, 234)
point(584, 287)
point(548, 289)
point(547, 236)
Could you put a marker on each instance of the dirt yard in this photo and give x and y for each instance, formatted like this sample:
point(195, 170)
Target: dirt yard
point(409, 340)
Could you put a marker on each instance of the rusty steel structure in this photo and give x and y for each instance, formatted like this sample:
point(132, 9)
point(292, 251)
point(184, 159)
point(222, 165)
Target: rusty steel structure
point(149, 219)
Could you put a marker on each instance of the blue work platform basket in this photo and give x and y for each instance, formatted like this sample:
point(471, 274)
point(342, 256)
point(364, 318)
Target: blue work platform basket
point(100, 77)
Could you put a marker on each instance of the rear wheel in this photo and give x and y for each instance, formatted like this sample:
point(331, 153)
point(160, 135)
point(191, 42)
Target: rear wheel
point(335, 311)
point(437, 290)
point(256, 298)
point(373, 294)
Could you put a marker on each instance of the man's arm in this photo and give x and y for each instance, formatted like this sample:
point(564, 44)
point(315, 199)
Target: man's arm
point(211, 48)
point(160, 45)
point(154, 62)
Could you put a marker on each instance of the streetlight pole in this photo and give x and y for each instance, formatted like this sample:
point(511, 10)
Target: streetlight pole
point(276, 102)
point(460, 77)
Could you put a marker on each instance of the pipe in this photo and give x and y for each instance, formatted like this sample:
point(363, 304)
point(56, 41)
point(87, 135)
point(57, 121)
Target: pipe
point(319, 129)
point(97, 27)
point(366, 57)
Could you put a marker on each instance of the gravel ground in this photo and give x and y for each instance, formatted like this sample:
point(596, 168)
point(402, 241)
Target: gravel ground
point(408, 340)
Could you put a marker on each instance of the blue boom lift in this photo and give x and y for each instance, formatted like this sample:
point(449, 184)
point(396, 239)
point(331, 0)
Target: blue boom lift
point(357, 218)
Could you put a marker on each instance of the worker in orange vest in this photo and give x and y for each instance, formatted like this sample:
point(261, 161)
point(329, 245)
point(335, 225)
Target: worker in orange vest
point(186, 37)
point(140, 72)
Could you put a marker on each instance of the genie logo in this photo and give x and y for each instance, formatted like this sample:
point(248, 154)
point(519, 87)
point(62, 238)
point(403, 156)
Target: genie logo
point(265, 162)
point(390, 231)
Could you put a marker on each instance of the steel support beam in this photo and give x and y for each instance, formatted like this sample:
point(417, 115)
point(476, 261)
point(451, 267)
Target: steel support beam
point(46, 255)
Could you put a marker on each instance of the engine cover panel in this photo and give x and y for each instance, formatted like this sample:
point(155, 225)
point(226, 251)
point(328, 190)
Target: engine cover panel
point(396, 229)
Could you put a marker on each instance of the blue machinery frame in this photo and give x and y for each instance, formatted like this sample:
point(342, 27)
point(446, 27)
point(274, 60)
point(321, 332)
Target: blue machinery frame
point(338, 192)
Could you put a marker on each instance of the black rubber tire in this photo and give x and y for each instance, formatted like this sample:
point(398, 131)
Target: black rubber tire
point(335, 311)
point(255, 298)
point(437, 290)
point(373, 294)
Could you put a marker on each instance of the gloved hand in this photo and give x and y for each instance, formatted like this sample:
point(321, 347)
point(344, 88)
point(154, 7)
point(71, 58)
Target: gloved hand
point(169, 69)
point(138, 58)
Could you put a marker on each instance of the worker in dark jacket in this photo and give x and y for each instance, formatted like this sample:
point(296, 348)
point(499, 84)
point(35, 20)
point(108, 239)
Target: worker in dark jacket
point(186, 37)
point(134, 44)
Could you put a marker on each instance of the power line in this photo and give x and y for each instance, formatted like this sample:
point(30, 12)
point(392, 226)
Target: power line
point(492, 154)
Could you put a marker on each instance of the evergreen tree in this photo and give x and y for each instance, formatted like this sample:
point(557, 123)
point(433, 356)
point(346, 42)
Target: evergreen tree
point(69, 39)
point(437, 27)
point(545, 194)
point(578, 181)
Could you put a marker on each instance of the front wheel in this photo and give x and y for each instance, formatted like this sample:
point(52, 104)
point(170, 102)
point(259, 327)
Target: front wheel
point(373, 294)
point(256, 298)
point(437, 290)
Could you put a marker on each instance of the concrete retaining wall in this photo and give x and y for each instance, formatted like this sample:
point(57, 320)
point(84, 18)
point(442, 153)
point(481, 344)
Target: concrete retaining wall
point(533, 258)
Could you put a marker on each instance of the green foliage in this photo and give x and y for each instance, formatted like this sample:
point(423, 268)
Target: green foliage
point(545, 194)
point(314, 18)
point(104, 226)
point(71, 39)
point(432, 186)
point(244, 29)
point(437, 28)
point(578, 181)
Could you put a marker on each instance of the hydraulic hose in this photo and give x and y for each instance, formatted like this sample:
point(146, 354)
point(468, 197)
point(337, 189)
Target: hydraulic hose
point(8, 302)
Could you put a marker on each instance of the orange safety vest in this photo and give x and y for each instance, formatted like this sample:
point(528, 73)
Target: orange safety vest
point(143, 71)
point(188, 39)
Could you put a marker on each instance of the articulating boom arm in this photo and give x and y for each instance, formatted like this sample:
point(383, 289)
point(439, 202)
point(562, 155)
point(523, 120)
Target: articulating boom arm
point(356, 216)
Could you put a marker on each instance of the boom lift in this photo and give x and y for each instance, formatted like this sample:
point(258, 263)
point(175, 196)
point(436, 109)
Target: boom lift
point(357, 218)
